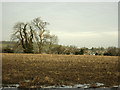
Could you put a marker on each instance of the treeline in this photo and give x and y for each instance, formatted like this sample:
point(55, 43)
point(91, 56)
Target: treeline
point(60, 49)
point(33, 37)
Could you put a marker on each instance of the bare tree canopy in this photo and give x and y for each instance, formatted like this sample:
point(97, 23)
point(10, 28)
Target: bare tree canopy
point(26, 34)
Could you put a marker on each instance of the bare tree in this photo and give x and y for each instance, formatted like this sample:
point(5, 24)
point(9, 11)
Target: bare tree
point(23, 34)
point(50, 41)
point(40, 31)
point(26, 34)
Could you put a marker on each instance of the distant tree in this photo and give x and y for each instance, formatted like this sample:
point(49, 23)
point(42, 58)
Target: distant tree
point(112, 51)
point(50, 41)
point(93, 49)
point(59, 49)
point(77, 52)
point(82, 51)
point(101, 48)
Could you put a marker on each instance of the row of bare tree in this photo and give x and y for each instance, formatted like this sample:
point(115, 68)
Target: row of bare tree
point(9, 47)
point(27, 34)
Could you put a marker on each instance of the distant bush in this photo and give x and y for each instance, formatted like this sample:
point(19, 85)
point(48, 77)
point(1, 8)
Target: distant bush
point(7, 50)
point(80, 52)
point(112, 51)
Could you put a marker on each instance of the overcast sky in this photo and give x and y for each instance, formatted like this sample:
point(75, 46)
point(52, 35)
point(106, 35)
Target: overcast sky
point(88, 24)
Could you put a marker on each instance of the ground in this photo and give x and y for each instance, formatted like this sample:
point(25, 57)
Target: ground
point(44, 69)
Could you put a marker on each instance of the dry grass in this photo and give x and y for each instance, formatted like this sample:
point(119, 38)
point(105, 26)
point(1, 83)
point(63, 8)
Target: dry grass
point(37, 69)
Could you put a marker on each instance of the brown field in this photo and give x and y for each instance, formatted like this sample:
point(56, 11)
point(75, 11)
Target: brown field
point(37, 69)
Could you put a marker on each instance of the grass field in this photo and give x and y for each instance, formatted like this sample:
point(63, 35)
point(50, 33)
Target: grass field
point(37, 69)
